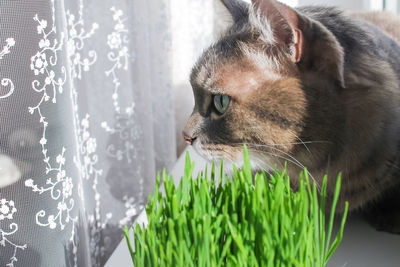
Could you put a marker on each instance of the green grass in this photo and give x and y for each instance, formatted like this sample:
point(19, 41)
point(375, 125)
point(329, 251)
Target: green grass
point(238, 223)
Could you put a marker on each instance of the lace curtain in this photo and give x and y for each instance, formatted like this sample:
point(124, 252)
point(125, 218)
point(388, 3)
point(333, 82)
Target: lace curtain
point(86, 119)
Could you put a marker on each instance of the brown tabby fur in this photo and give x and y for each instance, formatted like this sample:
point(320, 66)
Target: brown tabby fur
point(328, 99)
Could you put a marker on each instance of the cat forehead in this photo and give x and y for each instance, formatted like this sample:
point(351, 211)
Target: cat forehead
point(240, 74)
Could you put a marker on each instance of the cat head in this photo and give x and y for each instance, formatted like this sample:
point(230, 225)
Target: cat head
point(250, 86)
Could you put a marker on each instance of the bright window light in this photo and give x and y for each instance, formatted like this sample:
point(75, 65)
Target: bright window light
point(376, 5)
point(291, 3)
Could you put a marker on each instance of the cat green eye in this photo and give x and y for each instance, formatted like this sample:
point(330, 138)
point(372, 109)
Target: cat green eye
point(221, 103)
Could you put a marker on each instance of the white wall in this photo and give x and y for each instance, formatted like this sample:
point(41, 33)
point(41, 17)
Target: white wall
point(192, 25)
point(389, 5)
point(346, 4)
point(393, 5)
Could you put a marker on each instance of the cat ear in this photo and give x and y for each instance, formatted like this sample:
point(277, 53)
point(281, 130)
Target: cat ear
point(237, 8)
point(311, 45)
point(277, 23)
point(323, 52)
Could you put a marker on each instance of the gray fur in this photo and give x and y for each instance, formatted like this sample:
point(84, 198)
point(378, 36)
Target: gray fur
point(237, 8)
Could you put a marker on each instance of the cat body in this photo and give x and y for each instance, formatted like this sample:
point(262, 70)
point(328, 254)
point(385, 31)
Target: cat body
point(314, 87)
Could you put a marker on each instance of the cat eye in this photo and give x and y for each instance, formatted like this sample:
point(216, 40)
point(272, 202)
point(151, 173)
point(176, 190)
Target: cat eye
point(221, 103)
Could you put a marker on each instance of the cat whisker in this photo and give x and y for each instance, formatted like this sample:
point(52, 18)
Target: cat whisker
point(279, 150)
point(286, 156)
point(290, 159)
point(301, 141)
point(259, 163)
point(293, 143)
point(393, 165)
point(213, 153)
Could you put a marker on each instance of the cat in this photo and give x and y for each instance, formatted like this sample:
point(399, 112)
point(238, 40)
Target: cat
point(313, 86)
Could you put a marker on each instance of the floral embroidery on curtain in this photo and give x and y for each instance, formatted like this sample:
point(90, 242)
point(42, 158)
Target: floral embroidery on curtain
point(77, 155)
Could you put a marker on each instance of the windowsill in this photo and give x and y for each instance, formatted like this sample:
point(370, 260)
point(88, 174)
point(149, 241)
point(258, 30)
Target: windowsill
point(362, 246)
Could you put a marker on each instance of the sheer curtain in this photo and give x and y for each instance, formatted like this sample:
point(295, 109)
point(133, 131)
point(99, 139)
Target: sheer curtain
point(86, 119)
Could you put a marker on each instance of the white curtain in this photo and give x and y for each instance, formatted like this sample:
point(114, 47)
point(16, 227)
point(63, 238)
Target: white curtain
point(86, 119)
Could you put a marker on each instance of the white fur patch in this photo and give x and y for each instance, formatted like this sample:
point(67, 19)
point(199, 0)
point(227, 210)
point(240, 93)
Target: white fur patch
point(253, 81)
point(270, 66)
point(205, 75)
point(261, 161)
point(257, 162)
point(201, 75)
point(261, 23)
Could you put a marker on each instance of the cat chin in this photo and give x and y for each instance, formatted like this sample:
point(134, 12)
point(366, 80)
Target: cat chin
point(205, 154)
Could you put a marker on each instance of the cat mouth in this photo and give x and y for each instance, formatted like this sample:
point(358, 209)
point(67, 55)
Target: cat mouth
point(199, 148)
point(217, 152)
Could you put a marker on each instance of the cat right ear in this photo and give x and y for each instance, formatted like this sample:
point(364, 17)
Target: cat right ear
point(237, 8)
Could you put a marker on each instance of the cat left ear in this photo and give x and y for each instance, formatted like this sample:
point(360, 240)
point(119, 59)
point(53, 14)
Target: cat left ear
point(277, 23)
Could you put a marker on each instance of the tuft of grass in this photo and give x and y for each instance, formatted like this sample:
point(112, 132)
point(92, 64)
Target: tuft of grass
point(246, 221)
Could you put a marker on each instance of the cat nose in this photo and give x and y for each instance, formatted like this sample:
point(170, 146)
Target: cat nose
point(188, 139)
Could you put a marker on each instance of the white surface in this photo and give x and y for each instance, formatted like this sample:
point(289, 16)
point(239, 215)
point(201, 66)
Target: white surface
point(362, 246)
